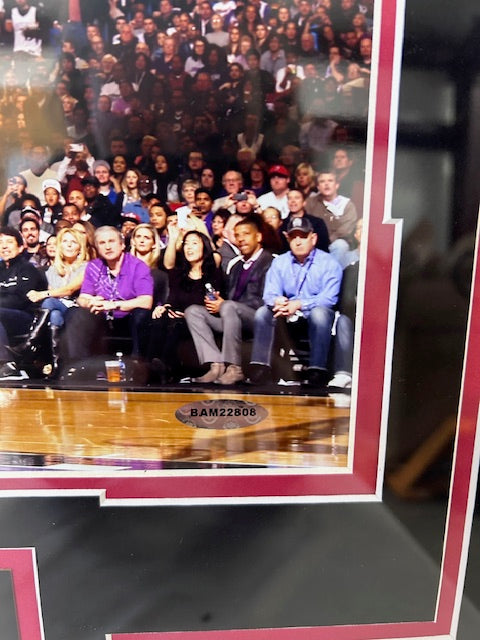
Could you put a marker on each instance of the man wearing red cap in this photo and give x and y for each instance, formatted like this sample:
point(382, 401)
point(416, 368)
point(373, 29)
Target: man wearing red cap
point(277, 197)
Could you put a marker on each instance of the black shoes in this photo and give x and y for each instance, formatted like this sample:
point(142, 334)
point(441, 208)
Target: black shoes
point(260, 374)
point(317, 378)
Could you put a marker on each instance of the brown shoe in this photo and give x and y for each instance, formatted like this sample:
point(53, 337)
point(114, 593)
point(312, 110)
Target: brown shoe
point(215, 371)
point(232, 375)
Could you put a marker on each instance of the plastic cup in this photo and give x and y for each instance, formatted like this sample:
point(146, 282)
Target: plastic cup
point(112, 368)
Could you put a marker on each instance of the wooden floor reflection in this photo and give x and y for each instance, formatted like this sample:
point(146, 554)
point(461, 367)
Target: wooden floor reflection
point(137, 430)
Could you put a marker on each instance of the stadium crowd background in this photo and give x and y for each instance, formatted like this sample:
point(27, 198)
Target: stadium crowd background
point(145, 102)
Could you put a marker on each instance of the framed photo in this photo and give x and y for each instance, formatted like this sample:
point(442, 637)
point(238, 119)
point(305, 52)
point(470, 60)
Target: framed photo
point(247, 456)
point(332, 447)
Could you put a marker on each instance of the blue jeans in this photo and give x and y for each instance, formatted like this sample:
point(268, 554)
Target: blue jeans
point(343, 345)
point(57, 311)
point(319, 323)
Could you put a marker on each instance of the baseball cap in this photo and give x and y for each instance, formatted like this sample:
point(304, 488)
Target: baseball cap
point(279, 170)
point(101, 163)
point(30, 212)
point(302, 225)
point(129, 216)
point(51, 184)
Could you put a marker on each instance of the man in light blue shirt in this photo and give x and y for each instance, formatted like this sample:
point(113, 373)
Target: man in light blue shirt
point(301, 285)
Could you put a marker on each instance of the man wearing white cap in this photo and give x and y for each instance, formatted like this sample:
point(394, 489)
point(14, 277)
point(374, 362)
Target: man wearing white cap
point(52, 209)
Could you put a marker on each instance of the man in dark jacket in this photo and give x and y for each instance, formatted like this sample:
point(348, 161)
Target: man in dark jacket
point(99, 207)
point(296, 209)
point(245, 288)
point(17, 278)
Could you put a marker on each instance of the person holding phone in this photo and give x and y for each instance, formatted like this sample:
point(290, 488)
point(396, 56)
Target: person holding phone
point(234, 316)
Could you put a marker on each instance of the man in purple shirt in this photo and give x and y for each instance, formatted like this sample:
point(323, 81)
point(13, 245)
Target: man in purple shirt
point(116, 298)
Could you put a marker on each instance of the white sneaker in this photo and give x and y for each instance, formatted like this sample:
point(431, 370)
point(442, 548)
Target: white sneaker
point(10, 371)
point(341, 381)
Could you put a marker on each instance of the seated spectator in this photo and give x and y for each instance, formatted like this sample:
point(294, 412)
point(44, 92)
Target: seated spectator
point(163, 63)
point(273, 60)
point(119, 168)
point(305, 179)
point(17, 278)
point(286, 76)
point(87, 230)
point(216, 66)
point(208, 180)
point(232, 182)
point(345, 325)
point(50, 250)
point(158, 213)
point(338, 213)
point(296, 206)
point(145, 245)
point(218, 36)
point(64, 277)
point(11, 198)
point(115, 298)
point(302, 285)
point(132, 201)
point(258, 178)
point(70, 213)
point(188, 271)
point(277, 197)
point(250, 137)
point(233, 316)
point(218, 225)
point(197, 59)
point(38, 171)
point(202, 208)
point(29, 227)
point(102, 172)
point(228, 248)
point(128, 223)
point(99, 210)
point(164, 185)
point(233, 46)
point(52, 210)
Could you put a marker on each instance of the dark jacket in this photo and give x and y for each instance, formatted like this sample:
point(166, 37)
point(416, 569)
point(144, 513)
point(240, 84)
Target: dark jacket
point(16, 280)
point(252, 292)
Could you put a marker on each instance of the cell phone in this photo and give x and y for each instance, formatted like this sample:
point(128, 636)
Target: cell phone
point(238, 197)
point(182, 219)
point(210, 291)
point(76, 147)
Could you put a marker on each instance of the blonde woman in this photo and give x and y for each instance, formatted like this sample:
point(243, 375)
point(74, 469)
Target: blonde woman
point(64, 278)
point(145, 245)
point(305, 179)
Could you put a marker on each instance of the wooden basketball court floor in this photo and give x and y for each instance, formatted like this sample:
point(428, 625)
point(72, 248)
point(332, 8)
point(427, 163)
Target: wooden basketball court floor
point(122, 429)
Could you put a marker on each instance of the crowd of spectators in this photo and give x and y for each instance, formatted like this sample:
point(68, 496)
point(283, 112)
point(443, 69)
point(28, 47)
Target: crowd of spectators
point(174, 123)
